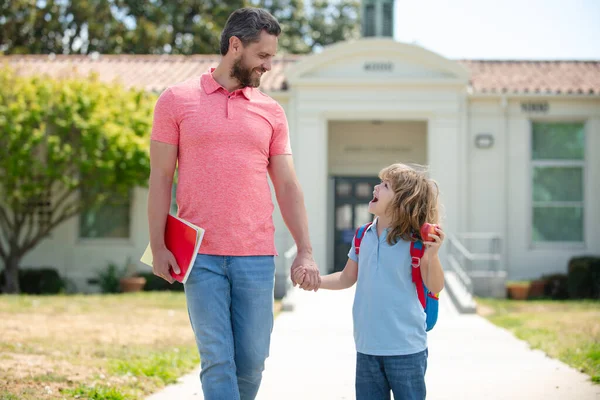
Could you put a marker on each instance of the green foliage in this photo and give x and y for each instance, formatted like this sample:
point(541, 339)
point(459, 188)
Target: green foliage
point(96, 393)
point(109, 278)
point(161, 26)
point(166, 366)
point(156, 283)
point(39, 281)
point(566, 330)
point(556, 286)
point(58, 138)
point(332, 22)
point(584, 278)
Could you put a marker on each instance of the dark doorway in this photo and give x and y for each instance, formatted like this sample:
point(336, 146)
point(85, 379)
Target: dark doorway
point(351, 204)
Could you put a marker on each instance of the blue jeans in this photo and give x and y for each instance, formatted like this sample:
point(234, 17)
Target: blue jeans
point(403, 375)
point(230, 303)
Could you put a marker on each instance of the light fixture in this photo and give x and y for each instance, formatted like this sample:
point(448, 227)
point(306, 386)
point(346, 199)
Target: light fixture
point(484, 140)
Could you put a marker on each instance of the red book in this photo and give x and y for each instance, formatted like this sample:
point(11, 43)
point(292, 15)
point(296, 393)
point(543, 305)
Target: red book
point(183, 239)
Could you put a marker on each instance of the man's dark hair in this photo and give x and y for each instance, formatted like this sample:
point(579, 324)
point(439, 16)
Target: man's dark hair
point(246, 24)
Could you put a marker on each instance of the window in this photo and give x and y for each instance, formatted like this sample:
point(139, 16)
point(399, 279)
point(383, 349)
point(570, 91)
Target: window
point(558, 173)
point(369, 20)
point(108, 221)
point(388, 19)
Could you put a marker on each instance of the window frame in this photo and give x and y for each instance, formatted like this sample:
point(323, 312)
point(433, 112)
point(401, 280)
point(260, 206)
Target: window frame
point(108, 240)
point(546, 245)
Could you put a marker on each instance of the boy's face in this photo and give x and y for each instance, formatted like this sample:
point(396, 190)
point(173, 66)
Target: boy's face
point(383, 195)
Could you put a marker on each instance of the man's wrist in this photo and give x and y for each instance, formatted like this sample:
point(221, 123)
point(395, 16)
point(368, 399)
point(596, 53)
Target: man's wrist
point(158, 246)
point(305, 251)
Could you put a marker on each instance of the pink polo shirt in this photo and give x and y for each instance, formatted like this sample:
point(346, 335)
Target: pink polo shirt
point(224, 144)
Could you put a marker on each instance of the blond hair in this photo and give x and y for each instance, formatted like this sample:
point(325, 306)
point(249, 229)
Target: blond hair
point(415, 201)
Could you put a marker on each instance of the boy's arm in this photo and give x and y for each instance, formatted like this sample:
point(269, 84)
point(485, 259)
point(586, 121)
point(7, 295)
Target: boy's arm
point(343, 279)
point(431, 266)
point(432, 272)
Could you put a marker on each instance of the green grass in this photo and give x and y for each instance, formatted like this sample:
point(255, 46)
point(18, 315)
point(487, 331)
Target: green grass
point(96, 393)
point(93, 346)
point(566, 330)
point(89, 303)
point(8, 396)
point(99, 347)
point(166, 366)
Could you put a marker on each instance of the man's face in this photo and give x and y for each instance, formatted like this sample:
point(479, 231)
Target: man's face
point(254, 60)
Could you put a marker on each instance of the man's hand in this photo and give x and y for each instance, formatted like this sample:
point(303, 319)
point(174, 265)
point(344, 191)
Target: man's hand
point(312, 278)
point(162, 261)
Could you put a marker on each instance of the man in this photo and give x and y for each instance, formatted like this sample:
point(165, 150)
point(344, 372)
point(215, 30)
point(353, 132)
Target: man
point(225, 136)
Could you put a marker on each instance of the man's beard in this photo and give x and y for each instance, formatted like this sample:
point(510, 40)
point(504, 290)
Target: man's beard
point(244, 75)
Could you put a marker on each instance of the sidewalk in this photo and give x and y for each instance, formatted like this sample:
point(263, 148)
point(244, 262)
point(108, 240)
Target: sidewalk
point(312, 357)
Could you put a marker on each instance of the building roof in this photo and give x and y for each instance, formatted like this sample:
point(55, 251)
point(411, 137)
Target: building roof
point(551, 77)
point(156, 72)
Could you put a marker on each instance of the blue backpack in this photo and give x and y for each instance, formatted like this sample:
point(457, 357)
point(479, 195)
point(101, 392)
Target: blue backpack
point(429, 300)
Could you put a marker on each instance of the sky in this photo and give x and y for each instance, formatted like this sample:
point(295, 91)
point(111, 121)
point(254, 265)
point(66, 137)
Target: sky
point(502, 29)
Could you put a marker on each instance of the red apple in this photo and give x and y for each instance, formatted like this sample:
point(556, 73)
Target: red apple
point(426, 230)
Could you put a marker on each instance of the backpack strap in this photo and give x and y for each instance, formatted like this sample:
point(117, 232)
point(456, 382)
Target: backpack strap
point(359, 235)
point(416, 253)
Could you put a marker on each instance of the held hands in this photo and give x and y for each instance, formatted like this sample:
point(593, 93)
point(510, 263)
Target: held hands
point(162, 261)
point(435, 241)
point(298, 275)
point(305, 273)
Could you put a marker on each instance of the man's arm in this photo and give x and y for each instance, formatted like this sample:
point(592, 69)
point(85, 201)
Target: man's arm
point(291, 203)
point(163, 159)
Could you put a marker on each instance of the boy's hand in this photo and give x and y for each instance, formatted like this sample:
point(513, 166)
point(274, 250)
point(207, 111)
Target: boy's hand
point(433, 246)
point(298, 275)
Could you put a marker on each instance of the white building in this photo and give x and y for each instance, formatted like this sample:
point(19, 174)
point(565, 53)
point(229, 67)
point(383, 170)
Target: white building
point(514, 146)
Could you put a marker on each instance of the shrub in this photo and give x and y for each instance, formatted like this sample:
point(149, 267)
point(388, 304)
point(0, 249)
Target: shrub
point(109, 278)
point(584, 278)
point(44, 280)
point(156, 283)
point(556, 286)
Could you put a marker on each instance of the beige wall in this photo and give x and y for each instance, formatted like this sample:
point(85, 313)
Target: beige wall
point(80, 259)
point(500, 180)
point(363, 148)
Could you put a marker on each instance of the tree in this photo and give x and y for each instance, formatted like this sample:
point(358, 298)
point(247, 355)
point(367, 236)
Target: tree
point(58, 139)
point(162, 26)
point(333, 22)
point(29, 26)
point(294, 23)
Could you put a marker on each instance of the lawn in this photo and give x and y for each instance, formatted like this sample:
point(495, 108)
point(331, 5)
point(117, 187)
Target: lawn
point(566, 330)
point(100, 347)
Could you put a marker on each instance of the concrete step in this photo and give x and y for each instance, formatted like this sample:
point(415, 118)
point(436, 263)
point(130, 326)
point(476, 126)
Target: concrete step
point(463, 300)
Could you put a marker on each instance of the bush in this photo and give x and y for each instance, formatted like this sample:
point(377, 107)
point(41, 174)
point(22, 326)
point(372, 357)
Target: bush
point(155, 283)
point(45, 280)
point(584, 278)
point(109, 279)
point(556, 286)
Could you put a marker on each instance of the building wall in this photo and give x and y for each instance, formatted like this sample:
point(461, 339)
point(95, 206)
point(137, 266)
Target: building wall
point(440, 109)
point(81, 259)
point(334, 99)
point(500, 180)
point(363, 148)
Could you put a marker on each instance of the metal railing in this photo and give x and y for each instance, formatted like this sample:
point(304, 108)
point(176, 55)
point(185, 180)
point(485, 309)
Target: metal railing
point(476, 257)
point(282, 273)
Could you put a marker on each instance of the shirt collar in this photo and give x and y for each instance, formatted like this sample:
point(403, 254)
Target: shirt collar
point(210, 85)
point(373, 225)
